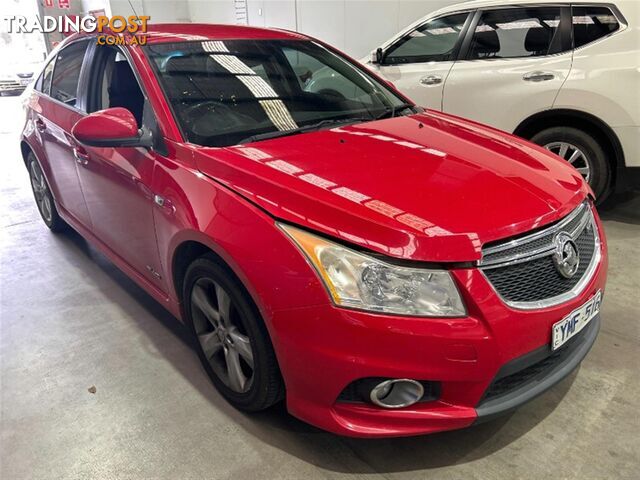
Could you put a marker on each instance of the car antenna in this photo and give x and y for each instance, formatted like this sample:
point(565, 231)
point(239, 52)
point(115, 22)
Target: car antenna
point(134, 11)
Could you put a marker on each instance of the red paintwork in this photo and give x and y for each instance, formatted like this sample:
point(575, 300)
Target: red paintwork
point(435, 192)
point(176, 32)
point(112, 123)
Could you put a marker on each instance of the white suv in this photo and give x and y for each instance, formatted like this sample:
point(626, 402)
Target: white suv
point(564, 75)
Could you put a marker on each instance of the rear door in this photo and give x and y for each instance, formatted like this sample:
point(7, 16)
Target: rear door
point(60, 108)
point(513, 63)
point(418, 63)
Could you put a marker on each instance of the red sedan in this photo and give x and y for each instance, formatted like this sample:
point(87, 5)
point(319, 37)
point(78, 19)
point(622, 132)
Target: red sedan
point(384, 269)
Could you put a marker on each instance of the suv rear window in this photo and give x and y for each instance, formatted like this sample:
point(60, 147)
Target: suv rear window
point(592, 23)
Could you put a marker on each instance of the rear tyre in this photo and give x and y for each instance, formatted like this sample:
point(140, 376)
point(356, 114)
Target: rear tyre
point(230, 337)
point(583, 152)
point(43, 197)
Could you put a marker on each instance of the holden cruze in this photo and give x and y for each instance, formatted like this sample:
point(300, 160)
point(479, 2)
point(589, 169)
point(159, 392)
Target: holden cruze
point(384, 269)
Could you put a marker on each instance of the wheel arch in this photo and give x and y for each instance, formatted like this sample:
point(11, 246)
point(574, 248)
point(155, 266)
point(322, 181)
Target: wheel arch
point(584, 121)
point(25, 150)
point(189, 249)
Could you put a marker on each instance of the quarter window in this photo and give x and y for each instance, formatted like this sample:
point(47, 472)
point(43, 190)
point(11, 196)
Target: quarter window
point(46, 78)
point(592, 23)
point(432, 41)
point(64, 86)
point(516, 33)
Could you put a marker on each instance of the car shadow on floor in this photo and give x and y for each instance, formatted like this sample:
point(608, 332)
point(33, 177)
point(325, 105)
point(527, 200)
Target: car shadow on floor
point(622, 207)
point(277, 428)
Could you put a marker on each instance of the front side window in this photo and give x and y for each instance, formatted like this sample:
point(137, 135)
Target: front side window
point(433, 41)
point(591, 24)
point(235, 91)
point(114, 84)
point(64, 85)
point(517, 33)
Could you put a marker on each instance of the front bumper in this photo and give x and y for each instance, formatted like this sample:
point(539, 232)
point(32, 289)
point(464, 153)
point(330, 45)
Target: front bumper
point(529, 376)
point(322, 349)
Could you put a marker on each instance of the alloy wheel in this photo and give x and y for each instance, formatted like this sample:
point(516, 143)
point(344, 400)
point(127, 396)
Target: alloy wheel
point(573, 155)
point(221, 335)
point(41, 192)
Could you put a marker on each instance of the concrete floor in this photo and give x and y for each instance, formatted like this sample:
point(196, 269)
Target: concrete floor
point(70, 320)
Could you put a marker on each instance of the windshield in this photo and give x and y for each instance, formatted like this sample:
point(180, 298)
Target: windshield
point(235, 91)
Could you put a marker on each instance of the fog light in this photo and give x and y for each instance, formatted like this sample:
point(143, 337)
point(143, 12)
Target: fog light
point(397, 393)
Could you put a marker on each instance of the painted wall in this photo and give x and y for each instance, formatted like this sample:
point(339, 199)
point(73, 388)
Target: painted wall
point(161, 11)
point(355, 26)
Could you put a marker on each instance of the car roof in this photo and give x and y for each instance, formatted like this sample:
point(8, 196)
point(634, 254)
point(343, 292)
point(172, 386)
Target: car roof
point(474, 4)
point(180, 32)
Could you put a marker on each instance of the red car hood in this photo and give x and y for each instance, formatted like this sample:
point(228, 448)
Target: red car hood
point(427, 187)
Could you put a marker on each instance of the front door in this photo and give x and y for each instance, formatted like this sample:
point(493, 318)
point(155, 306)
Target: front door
point(419, 62)
point(118, 181)
point(517, 60)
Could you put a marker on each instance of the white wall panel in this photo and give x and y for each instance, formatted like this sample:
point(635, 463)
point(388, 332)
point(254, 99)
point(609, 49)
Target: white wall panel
point(355, 26)
point(160, 11)
point(212, 11)
point(279, 13)
point(367, 24)
point(323, 19)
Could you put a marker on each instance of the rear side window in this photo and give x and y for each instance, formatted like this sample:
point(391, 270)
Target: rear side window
point(64, 86)
point(432, 41)
point(592, 23)
point(46, 78)
point(517, 33)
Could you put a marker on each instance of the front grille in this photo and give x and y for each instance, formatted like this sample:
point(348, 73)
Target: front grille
point(524, 273)
point(10, 85)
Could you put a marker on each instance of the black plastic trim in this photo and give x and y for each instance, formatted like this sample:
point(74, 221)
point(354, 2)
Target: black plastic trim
point(575, 351)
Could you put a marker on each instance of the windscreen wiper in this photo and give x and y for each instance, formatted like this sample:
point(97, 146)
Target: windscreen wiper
point(390, 112)
point(304, 128)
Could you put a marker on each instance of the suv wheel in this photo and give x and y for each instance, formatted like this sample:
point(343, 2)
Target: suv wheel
point(231, 339)
point(583, 152)
point(43, 196)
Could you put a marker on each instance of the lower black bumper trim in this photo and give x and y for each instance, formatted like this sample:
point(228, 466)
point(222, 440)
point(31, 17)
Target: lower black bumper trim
point(572, 354)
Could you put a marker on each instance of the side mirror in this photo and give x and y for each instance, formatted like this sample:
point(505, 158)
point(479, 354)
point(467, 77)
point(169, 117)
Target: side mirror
point(113, 127)
point(378, 56)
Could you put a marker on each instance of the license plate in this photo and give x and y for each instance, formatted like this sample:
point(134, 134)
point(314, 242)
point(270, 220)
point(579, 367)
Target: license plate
point(25, 81)
point(573, 323)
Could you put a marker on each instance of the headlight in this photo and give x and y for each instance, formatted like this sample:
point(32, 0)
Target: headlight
point(360, 281)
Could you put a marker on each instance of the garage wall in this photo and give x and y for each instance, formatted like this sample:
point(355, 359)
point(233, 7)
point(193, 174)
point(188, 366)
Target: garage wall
point(211, 11)
point(355, 26)
point(358, 26)
point(161, 11)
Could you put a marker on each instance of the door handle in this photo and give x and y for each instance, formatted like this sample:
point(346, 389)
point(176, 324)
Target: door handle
point(431, 80)
point(82, 157)
point(165, 204)
point(40, 125)
point(538, 76)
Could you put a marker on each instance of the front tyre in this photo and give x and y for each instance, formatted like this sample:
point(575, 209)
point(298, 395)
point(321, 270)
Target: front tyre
point(43, 197)
point(231, 338)
point(583, 152)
